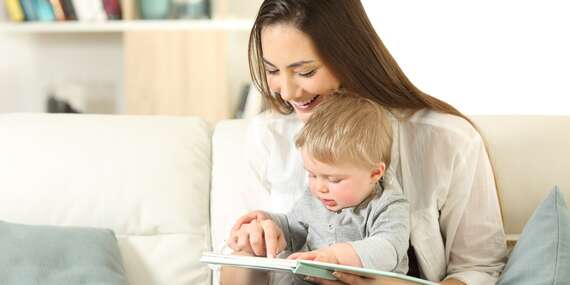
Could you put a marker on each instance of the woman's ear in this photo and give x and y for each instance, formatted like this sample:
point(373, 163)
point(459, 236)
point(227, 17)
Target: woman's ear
point(378, 172)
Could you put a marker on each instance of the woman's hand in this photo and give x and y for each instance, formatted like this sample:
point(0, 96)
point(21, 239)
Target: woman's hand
point(257, 234)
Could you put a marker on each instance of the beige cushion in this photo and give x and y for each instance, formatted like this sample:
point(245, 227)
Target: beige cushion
point(531, 154)
point(146, 178)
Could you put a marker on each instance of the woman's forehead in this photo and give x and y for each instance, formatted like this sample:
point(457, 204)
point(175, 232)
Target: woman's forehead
point(284, 44)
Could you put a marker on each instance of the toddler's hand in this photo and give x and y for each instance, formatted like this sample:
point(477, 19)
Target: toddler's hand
point(326, 254)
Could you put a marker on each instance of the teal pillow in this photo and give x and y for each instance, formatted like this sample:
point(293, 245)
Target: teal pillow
point(59, 255)
point(542, 254)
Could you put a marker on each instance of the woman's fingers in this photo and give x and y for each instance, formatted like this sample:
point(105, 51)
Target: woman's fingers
point(320, 281)
point(242, 243)
point(247, 218)
point(350, 278)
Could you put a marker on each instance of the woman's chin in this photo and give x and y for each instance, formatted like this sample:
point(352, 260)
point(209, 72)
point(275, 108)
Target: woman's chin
point(303, 116)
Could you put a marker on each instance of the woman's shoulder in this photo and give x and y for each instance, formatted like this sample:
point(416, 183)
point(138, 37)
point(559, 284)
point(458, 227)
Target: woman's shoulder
point(443, 125)
point(276, 123)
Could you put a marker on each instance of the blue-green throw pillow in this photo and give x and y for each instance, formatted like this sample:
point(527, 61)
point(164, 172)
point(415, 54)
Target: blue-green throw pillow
point(542, 254)
point(59, 255)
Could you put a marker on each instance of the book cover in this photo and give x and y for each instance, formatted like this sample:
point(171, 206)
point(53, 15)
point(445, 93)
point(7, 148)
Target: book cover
point(302, 267)
point(14, 10)
point(29, 10)
point(89, 11)
point(44, 11)
point(57, 10)
point(68, 10)
point(113, 9)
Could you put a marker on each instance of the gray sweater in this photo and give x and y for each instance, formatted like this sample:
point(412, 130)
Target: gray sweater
point(379, 232)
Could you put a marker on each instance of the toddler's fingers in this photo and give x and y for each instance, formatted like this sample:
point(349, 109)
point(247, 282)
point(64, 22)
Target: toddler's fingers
point(309, 255)
point(256, 241)
point(274, 240)
point(294, 255)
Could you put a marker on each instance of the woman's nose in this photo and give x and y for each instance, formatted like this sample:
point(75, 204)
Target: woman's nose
point(287, 88)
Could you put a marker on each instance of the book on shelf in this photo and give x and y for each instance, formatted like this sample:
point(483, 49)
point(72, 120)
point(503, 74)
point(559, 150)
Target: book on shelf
point(89, 11)
point(13, 10)
point(302, 267)
point(112, 9)
point(61, 10)
point(68, 10)
point(29, 10)
point(44, 11)
point(57, 9)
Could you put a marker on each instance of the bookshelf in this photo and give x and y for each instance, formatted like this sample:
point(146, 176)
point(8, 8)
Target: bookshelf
point(155, 67)
point(126, 26)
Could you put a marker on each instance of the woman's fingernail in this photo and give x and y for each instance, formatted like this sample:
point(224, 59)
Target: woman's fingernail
point(336, 274)
point(309, 278)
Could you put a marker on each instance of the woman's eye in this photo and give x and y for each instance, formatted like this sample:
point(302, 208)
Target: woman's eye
point(335, 180)
point(272, 72)
point(309, 73)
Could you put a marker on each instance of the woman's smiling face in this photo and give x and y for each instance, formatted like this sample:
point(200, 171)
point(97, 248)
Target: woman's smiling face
point(294, 69)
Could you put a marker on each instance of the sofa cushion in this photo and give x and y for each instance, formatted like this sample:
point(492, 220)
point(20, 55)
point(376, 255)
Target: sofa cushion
point(147, 178)
point(59, 255)
point(542, 254)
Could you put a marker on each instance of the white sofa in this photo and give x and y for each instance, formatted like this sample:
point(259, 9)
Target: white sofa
point(168, 186)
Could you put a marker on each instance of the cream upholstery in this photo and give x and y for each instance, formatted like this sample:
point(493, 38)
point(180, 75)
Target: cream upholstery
point(531, 155)
point(145, 178)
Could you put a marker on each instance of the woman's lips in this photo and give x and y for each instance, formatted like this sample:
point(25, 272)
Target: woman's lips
point(306, 105)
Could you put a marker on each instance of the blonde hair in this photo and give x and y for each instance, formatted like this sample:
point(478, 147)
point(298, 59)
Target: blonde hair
point(346, 128)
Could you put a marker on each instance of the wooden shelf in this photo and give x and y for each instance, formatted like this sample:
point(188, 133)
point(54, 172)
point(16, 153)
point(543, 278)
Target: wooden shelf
point(125, 26)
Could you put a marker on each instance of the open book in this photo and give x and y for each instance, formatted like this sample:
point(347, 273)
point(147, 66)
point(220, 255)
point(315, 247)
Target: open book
point(302, 267)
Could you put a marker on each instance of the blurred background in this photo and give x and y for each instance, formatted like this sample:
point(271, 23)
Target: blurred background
point(189, 57)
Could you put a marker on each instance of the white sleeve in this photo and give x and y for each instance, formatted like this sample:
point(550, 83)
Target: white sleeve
point(471, 219)
point(239, 182)
point(257, 156)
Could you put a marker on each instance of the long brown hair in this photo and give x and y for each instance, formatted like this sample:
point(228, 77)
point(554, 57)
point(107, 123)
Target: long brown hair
point(350, 47)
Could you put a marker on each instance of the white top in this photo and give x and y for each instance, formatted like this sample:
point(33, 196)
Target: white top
point(440, 163)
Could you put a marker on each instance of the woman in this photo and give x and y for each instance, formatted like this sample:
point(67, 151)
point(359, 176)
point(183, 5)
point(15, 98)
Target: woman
point(300, 51)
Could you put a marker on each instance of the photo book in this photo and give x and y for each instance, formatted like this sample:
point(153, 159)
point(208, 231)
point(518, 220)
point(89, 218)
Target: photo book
point(302, 267)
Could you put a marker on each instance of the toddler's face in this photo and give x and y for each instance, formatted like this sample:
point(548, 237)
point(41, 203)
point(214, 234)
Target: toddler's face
point(339, 186)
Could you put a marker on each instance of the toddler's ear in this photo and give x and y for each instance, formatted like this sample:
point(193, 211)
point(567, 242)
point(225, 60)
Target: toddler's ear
point(378, 172)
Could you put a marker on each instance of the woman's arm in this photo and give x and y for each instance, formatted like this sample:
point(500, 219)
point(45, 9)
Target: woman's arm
point(452, 281)
point(241, 276)
point(470, 219)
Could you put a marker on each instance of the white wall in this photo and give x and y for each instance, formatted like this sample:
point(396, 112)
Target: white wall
point(32, 63)
point(484, 57)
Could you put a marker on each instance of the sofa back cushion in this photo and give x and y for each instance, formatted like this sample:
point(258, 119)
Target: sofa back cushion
point(146, 178)
point(530, 155)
